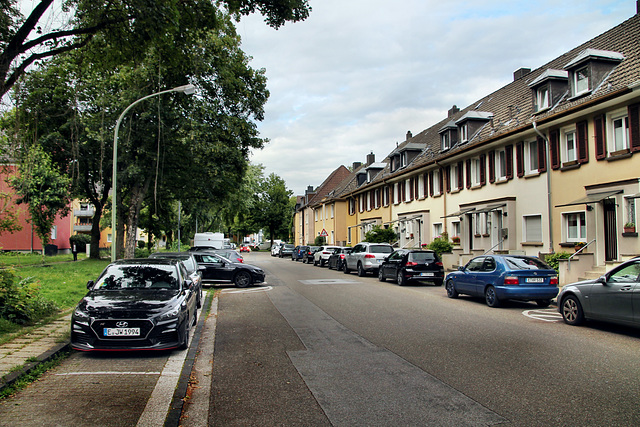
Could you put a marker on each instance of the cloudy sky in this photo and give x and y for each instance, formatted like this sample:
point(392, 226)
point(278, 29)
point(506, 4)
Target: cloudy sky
point(358, 74)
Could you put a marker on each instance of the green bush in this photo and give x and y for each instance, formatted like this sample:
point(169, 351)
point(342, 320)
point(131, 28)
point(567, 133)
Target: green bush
point(441, 245)
point(20, 300)
point(553, 259)
point(142, 253)
point(380, 235)
point(320, 240)
point(81, 241)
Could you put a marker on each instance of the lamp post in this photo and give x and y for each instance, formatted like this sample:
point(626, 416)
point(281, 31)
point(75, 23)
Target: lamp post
point(186, 89)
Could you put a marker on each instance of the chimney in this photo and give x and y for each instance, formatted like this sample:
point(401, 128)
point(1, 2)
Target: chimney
point(453, 111)
point(309, 190)
point(409, 135)
point(371, 158)
point(356, 165)
point(518, 74)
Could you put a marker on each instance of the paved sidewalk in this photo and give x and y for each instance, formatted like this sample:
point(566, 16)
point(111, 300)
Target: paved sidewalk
point(22, 354)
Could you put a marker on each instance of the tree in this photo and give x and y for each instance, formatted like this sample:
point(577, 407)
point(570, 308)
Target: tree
point(380, 235)
point(44, 190)
point(273, 209)
point(26, 40)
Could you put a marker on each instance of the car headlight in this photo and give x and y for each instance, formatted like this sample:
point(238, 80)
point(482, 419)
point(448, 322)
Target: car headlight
point(170, 315)
point(80, 315)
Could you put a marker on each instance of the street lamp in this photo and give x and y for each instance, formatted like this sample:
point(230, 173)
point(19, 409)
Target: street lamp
point(188, 89)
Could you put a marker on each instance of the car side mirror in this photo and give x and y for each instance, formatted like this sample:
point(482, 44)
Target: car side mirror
point(201, 268)
point(90, 284)
point(188, 284)
point(602, 279)
point(461, 268)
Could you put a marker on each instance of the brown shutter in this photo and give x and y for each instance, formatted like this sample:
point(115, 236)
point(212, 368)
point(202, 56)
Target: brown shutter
point(634, 127)
point(448, 175)
point(598, 137)
point(460, 175)
point(431, 183)
point(425, 184)
point(492, 166)
point(508, 153)
point(554, 148)
point(542, 155)
point(468, 173)
point(411, 193)
point(520, 159)
point(483, 162)
point(583, 142)
point(441, 181)
point(416, 187)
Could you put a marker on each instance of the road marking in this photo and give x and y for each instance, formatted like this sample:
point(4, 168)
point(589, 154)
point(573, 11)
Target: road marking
point(327, 282)
point(66, 374)
point(548, 315)
point(248, 291)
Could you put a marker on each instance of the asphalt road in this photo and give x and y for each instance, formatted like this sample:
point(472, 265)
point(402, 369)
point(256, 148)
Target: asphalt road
point(320, 347)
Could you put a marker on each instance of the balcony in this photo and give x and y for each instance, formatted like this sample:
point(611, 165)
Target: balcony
point(84, 213)
point(82, 228)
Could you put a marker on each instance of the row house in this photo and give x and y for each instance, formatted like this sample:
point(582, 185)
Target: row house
point(541, 164)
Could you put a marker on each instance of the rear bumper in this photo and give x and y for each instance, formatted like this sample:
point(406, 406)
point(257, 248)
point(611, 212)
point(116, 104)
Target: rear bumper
point(526, 293)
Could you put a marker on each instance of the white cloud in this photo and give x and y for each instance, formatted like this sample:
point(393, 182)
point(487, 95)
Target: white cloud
point(358, 74)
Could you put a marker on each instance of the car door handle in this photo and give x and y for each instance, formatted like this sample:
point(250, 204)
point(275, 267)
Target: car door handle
point(626, 288)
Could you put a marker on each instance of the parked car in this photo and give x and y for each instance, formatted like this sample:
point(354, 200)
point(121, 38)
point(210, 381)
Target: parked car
point(337, 258)
point(192, 268)
point(136, 304)
point(613, 297)
point(217, 268)
point(502, 277)
point(309, 254)
point(322, 255)
point(407, 266)
point(245, 248)
point(275, 249)
point(366, 257)
point(286, 250)
point(298, 252)
point(230, 254)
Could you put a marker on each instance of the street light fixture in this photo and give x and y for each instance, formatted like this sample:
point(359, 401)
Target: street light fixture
point(187, 89)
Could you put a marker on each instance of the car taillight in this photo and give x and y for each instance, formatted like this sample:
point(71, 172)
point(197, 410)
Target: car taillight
point(369, 256)
point(411, 264)
point(240, 260)
point(511, 280)
point(325, 253)
point(341, 256)
point(439, 264)
point(554, 281)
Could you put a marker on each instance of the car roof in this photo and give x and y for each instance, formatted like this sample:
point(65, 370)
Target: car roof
point(176, 255)
point(146, 261)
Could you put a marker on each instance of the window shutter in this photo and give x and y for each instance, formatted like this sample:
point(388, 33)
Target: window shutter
point(542, 155)
point(460, 175)
point(483, 167)
point(634, 127)
point(492, 166)
point(431, 183)
point(416, 187)
point(392, 194)
point(508, 153)
point(425, 184)
point(441, 181)
point(448, 175)
point(583, 142)
point(411, 194)
point(554, 148)
point(520, 159)
point(468, 173)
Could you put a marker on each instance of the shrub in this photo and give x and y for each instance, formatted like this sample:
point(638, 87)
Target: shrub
point(441, 245)
point(380, 235)
point(553, 259)
point(20, 300)
point(320, 240)
point(142, 253)
point(81, 241)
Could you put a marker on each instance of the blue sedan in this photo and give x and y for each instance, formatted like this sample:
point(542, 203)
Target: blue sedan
point(502, 277)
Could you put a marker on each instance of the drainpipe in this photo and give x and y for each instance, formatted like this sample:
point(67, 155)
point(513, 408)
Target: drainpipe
point(444, 197)
point(549, 208)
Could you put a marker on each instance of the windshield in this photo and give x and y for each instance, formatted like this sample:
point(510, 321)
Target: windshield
point(381, 249)
point(288, 246)
point(118, 277)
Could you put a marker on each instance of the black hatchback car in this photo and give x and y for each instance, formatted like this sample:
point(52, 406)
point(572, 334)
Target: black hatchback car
point(215, 267)
point(136, 304)
point(190, 263)
point(406, 265)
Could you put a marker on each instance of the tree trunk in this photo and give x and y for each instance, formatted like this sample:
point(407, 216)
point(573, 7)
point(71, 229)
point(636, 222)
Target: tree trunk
point(135, 203)
point(94, 250)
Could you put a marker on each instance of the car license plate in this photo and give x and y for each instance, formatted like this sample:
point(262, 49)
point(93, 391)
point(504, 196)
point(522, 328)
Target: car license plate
point(121, 332)
point(426, 274)
point(535, 280)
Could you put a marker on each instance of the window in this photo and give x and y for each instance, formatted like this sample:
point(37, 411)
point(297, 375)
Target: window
point(453, 177)
point(581, 80)
point(455, 229)
point(464, 132)
point(445, 141)
point(421, 194)
point(385, 196)
point(542, 98)
point(109, 238)
point(437, 229)
point(533, 228)
point(619, 132)
point(352, 207)
point(631, 209)
point(476, 172)
point(531, 157)
point(396, 193)
point(576, 226)
point(501, 165)
point(569, 149)
point(478, 225)
point(349, 234)
point(316, 215)
point(54, 232)
point(435, 177)
point(333, 212)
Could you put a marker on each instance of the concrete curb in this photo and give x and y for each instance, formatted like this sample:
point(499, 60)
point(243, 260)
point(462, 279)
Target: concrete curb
point(10, 378)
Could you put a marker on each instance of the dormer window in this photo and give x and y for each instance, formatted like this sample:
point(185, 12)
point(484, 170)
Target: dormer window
point(448, 136)
point(445, 140)
point(542, 98)
point(590, 68)
point(471, 123)
point(549, 88)
point(464, 132)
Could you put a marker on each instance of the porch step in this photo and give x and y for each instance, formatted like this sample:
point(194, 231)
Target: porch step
point(599, 270)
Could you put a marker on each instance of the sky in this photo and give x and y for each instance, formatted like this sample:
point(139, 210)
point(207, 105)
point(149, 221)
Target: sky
point(358, 74)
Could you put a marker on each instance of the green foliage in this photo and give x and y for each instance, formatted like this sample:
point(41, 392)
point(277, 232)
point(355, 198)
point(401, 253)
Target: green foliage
point(142, 253)
point(380, 235)
point(81, 241)
point(8, 215)
point(441, 245)
point(553, 259)
point(320, 240)
point(20, 300)
point(273, 208)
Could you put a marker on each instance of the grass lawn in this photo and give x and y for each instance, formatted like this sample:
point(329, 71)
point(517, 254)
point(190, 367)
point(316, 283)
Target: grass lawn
point(17, 259)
